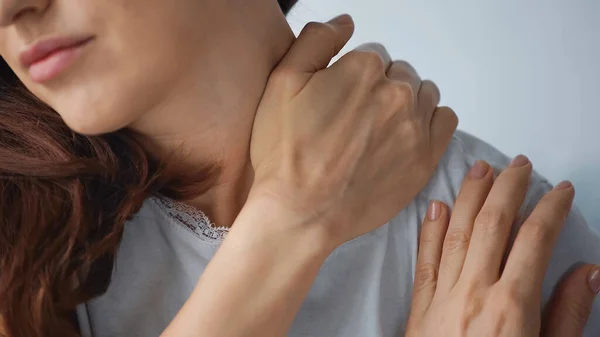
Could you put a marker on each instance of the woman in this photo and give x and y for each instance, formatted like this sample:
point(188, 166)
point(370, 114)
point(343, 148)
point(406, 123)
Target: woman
point(177, 114)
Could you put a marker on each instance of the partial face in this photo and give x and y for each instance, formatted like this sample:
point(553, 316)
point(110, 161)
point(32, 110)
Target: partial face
point(102, 64)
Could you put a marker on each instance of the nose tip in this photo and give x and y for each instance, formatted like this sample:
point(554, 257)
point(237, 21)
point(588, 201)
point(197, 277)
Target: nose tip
point(9, 11)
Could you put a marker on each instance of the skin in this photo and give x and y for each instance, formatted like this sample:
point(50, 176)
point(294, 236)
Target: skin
point(200, 96)
point(203, 101)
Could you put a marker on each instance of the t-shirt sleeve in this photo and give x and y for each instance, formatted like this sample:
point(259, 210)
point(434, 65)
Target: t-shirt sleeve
point(577, 243)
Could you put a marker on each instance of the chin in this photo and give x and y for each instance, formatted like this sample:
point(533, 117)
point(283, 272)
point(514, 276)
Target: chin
point(92, 110)
point(85, 127)
point(92, 120)
point(94, 103)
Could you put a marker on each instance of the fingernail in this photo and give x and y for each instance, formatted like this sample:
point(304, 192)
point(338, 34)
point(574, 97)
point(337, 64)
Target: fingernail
point(434, 211)
point(342, 20)
point(594, 280)
point(479, 170)
point(519, 161)
point(563, 185)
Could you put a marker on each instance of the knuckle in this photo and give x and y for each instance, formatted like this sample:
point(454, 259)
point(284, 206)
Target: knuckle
point(406, 66)
point(537, 229)
point(426, 275)
point(373, 62)
point(393, 95)
point(491, 222)
point(431, 91)
point(352, 64)
point(366, 63)
point(402, 70)
point(374, 47)
point(578, 311)
point(283, 77)
point(456, 241)
point(404, 93)
point(412, 133)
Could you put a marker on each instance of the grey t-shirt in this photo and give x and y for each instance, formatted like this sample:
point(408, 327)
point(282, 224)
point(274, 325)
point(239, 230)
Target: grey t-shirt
point(363, 289)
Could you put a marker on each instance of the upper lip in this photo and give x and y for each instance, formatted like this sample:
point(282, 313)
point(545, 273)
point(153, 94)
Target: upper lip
point(41, 49)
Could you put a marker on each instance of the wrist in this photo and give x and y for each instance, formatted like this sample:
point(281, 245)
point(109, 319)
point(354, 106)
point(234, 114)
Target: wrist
point(265, 221)
point(260, 275)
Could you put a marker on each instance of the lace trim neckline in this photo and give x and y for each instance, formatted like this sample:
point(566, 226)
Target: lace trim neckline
point(192, 219)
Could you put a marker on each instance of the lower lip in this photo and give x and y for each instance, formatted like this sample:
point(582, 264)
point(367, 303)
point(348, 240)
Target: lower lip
point(54, 64)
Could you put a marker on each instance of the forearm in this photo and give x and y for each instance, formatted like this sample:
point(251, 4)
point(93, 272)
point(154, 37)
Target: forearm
point(256, 282)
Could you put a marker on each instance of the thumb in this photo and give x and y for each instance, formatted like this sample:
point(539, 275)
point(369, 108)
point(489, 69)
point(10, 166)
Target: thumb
point(317, 44)
point(571, 303)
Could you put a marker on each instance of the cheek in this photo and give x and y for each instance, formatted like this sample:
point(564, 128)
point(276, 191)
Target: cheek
point(103, 104)
point(108, 97)
point(120, 84)
point(116, 83)
point(86, 113)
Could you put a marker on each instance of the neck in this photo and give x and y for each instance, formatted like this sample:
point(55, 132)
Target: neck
point(208, 118)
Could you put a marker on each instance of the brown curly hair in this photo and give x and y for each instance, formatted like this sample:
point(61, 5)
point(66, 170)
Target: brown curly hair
point(64, 200)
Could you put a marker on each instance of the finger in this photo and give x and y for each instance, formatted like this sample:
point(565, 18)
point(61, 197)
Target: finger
point(494, 222)
point(428, 260)
point(428, 99)
point(474, 191)
point(442, 127)
point(402, 71)
point(317, 44)
point(531, 252)
point(569, 308)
